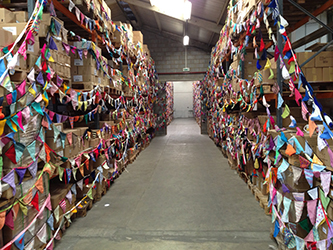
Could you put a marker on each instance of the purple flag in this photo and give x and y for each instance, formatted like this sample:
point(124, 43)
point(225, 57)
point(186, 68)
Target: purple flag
point(10, 180)
point(20, 172)
point(33, 169)
point(52, 44)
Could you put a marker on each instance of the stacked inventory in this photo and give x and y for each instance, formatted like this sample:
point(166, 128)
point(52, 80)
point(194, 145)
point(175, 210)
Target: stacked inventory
point(196, 102)
point(74, 112)
point(169, 108)
point(277, 136)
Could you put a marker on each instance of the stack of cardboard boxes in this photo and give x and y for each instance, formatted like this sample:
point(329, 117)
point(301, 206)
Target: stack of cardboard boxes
point(319, 69)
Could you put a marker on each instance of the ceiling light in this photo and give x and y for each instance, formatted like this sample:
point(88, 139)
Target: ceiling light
point(176, 8)
point(187, 10)
point(186, 40)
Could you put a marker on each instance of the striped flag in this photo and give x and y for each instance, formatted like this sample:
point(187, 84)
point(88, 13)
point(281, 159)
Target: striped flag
point(291, 87)
point(62, 204)
point(304, 111)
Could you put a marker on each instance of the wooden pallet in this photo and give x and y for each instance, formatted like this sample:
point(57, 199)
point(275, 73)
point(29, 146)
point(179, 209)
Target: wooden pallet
point(84, 85)
point(82, 210)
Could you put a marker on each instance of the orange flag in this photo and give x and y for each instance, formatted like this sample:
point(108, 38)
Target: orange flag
point(290, 150)
point(312, 127)
point(2, 219)
point(39, 184)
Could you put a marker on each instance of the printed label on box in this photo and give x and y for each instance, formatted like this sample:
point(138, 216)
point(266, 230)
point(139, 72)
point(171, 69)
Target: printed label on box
point(78, 78)
point(58, 145)
point(95, 72)
point(13, 30)
point(78, 62)
point(99, 80)
point(30, 48)
point(59, 127)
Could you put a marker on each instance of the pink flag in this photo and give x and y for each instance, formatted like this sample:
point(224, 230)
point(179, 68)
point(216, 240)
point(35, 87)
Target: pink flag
point(19, 120)
point(42, 234)
point(53, 88)
point(325, 181)
point(69, 137)
point(309, 237)
point(78, 161)
point(51, 114)
point(320, 214)
point(48, 203)
point(311, 207)
point(299, 132)
point(21, 88)
point(330, 153)
point(67, 47)
point(23, 50)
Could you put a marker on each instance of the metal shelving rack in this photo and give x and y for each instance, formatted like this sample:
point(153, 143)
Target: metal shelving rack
point(303, 17)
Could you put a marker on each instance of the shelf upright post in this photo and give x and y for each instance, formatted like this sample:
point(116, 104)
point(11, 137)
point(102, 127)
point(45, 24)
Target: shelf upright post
point(95, 40)
point(31, 7)
point(278, 70)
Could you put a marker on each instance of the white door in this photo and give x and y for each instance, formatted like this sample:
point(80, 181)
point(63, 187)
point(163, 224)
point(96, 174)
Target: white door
point(183, 99)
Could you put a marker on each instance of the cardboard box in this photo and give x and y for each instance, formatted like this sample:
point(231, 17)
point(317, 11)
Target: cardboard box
point(19, 76)
point(328, 74)
point(21, 16)
point(81, 193)
point(14, 28)
point(50, 133)
point(31, 49)
point(314, 74)
point(54, 145)
point(6, 38)
point(31, 60)
point(117, 36)
point(324, 59)
point(137, 37)
point(71, 151)
point(46, 19)
point(303, 56)
point(75, 131)
point(83, 78)
point(94, 142)
point(146, 51)
point(6, 16)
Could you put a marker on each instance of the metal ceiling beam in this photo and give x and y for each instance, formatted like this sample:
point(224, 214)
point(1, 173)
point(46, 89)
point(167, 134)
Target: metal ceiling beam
point(178, 38)
point(158, 21)
point(137, 16)
point(208, 25)
point(311, 37)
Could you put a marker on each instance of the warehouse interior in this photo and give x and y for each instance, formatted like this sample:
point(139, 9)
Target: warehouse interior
point(153, 124)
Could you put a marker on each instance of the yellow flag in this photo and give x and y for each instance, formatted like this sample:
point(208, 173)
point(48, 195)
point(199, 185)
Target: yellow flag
point(2, 126)
point(286, 112)
point(24, 209)
point(32, 91)
point(80, 105)
point(268, 64)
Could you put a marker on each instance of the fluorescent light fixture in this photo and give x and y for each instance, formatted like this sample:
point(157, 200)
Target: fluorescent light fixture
point(176, 8)
point(187, 9)
point(186, 40)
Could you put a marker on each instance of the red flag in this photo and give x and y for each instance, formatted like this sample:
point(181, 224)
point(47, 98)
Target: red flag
point(35, 201)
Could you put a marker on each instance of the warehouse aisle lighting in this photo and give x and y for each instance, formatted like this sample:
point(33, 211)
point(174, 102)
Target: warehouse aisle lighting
point(174, 8)
point(186, 40)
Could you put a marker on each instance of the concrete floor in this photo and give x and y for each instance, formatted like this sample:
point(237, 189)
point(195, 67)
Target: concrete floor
point(179, 194)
